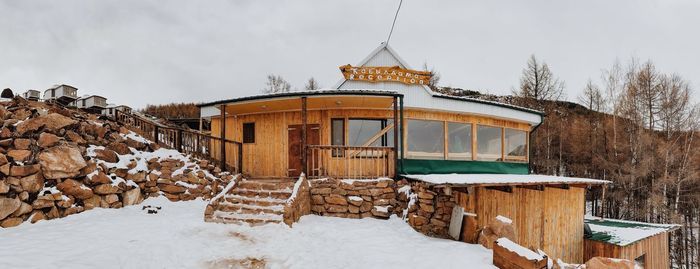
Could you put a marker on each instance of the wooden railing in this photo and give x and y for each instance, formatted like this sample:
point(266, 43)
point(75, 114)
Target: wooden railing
point(350, 162)
point(192, 142)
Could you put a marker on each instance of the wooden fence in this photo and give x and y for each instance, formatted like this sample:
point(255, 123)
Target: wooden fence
point(350, 162)
point(192, 142)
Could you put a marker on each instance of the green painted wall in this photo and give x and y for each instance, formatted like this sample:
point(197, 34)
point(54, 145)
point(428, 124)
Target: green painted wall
point(413, 166)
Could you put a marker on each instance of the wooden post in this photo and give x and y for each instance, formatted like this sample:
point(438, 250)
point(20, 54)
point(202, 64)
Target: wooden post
point(240, 158)
point(222, 135)
point(602, 202)
point(178, 142)
point(403, 148)
point(303, 136)
point(116, 114)
point(396, 138)
point(155, 133)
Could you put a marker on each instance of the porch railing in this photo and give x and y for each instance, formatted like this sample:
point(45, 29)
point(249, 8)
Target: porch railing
point(350, 162)
point(193, 142)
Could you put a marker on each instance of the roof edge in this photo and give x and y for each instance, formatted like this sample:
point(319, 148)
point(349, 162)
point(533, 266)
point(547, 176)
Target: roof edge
point(305, 93)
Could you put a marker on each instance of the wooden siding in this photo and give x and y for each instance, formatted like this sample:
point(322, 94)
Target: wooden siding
point(267, 157)
point(654, 249)
point(551, 219)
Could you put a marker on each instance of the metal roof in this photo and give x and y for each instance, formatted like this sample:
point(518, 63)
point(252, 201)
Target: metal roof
point(321, 92)
point(623, 232)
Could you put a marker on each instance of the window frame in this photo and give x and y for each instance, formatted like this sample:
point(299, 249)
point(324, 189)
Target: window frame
point(408, 152)
point(244, 133)
point(476, 140)
point(384, 139)
point(470, 156)
point(516, 159)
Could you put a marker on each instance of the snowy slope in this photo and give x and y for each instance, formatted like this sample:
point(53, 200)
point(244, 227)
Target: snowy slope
point(177, 237)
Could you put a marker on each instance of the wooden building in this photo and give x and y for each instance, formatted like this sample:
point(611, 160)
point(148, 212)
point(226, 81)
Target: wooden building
point(382, 120)
point(61, 94)
point(644, 243)
point(91, 103)
point(112, 109)
point(32, 95)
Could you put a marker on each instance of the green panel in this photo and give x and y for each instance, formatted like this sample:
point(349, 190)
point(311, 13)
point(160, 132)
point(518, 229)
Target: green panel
point(413, 166)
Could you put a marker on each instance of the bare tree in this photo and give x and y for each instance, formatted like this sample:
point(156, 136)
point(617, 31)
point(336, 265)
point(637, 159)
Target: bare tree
point(592, 97)
point(538, 83)
point(276, 84)
point(311, 85)
point(434, 75)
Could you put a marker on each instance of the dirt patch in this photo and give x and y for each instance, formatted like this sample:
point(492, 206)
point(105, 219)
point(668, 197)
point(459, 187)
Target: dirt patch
point(241, 236)
point(247, 263)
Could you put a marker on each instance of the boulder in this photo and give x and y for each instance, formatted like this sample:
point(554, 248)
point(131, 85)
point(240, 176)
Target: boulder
point(111, 198)
point(22, 143)
point(609, 263)
point(24, 208)
point(107, 155)
point(4, 187)
point(61, 162)
point(135, 144)
point(51, 122)
point(11, 222)
point(132, 197)
point(120, 148)
point(495, 230)
point(3, 159)
point(105, 189)
point(25, 170)
point(75, 189)
point(32, 183)
point(172, 189)
point(19, 155)
point(47, 140)
point(99, 178)
point(37, 216)
point(8, 206)
point(75, 137)
point(336, 199)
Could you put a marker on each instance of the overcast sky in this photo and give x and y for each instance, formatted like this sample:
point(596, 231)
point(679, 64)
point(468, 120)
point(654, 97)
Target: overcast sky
point(140, 52)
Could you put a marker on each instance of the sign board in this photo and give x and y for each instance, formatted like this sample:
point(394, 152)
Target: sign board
point(385, 74)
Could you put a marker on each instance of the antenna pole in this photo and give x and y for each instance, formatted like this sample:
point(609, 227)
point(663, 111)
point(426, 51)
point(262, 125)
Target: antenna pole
point(394, 22)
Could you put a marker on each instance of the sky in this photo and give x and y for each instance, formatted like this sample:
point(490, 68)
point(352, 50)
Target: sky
point(139, 52)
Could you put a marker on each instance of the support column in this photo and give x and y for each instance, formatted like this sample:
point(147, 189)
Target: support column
point(396, 138)
point(402, 130)
point(222, 135)
point(304, 166)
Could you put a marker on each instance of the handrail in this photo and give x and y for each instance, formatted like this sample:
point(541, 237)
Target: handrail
point(186, 141)
point(350, 161)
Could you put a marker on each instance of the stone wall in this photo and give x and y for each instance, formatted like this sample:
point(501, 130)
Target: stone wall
point(427, 210)
point(299, 204)
point(353, 198)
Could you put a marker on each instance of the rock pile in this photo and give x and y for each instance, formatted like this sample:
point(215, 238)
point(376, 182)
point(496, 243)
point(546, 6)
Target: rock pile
point(349, 198)
point(55, 162)
point(427, 212)
point(499, 227)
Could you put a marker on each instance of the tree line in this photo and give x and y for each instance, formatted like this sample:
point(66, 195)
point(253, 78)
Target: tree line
point(635, 126)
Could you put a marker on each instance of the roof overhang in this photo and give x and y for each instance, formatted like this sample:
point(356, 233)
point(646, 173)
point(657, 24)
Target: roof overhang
point(487, 180)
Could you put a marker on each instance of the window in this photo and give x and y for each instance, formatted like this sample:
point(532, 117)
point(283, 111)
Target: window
point(488, 140)
point(83, 102)
point(516, 145)
point(249, 132)
point(426, 139)
point(337, 132)
point(459, 141)
point(360, 131)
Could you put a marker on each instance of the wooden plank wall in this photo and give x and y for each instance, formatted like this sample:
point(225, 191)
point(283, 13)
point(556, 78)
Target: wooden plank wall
point(654, 248)
point(267, 157)
point(551, 220)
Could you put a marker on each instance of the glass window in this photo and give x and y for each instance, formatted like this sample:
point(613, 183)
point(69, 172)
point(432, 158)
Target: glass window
point(338, 132)
point(360, 131)
point(426, 139)
point(488, 140)
point(516, 145)
point(249, 132)
point(459, 141)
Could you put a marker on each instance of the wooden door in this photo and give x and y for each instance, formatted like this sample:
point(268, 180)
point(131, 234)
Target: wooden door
point(294, 141)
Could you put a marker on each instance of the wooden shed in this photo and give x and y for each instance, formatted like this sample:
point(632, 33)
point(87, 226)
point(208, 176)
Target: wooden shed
point(644, 243)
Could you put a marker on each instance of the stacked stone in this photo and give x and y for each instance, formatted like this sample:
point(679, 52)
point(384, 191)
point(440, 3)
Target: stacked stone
point(431, 210)
point(353, 198)
point(46, 173)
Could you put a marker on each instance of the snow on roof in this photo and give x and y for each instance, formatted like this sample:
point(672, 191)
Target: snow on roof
point(325, 91)
point(501, 179)
point(623, 232)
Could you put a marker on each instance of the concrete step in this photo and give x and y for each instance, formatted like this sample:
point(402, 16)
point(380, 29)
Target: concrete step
point(259, 201)
point(265, 185)
point(263, 218)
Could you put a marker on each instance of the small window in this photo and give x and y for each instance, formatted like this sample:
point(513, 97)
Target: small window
point(249, 132)
point(488, 140)
point(516, 145)
point(426, 139)
point(338, 132)
point(459, 141)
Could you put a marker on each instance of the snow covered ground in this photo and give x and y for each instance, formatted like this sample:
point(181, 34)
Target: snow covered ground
point(177, 237)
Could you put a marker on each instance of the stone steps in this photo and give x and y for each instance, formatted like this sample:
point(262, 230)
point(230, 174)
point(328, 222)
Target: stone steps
point(255, 202)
